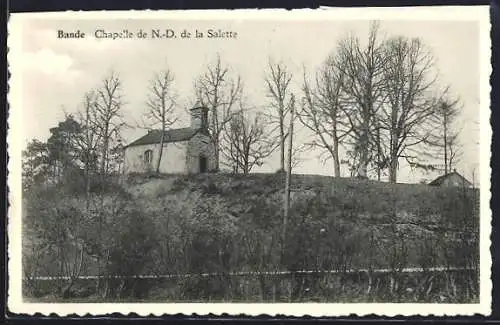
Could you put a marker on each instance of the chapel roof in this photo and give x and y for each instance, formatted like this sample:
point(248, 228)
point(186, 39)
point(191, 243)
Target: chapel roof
point(174, 135)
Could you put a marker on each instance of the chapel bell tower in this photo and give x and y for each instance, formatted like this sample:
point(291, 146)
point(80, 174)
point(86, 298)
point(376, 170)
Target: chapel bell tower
point(199, 117)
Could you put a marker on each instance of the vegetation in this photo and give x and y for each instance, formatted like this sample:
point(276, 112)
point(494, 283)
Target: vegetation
point(224, 224)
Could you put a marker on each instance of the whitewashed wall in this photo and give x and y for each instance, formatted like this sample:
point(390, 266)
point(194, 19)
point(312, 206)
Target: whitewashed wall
point(173, 159)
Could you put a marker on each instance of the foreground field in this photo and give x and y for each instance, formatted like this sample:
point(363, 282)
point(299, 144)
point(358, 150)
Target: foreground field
point(444, 286)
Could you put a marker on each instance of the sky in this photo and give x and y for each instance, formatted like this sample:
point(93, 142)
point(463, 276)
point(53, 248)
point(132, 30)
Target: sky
point(53, 74)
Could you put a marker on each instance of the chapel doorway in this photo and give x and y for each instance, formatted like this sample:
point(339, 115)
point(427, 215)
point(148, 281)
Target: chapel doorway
point(203, 164)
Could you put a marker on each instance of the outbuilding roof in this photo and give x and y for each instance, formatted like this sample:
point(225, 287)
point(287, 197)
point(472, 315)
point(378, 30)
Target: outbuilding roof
point(439, 181)
point(174, 135)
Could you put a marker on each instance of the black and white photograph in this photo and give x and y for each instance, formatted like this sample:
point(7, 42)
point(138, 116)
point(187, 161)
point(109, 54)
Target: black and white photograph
point(308, 162)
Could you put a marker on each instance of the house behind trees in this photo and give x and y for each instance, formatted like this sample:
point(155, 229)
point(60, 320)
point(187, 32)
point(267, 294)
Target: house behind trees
point(186, 150)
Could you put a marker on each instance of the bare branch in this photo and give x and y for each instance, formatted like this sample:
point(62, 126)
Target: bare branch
point(410, 104)
point(218, 91)
point(245, 141)
point(277, 79)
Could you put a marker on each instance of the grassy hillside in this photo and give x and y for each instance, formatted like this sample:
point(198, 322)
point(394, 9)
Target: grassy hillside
point(365, 201)
point(223, 224)
point(411, 215)
point(349, 193)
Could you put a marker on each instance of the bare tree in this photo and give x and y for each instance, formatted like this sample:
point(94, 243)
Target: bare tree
point(160, 107)
point(107, 117)
point(92, 137)
point(288, 178)
point(278, 78)
point(446, 137)
point(103, 122)
point(218, 91)
point(410, 101)
point(362, 85)
point(322, 113)
point(246, 143)
point(89, 142)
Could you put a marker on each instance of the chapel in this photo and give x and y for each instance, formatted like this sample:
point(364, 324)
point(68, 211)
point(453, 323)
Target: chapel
point(185, 150)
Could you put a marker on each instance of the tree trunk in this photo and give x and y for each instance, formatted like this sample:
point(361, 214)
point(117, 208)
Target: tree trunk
point(395, 135)
point(363, 164)
point(105, 152)
point(379, 154)
point(234, 158)
point(216, 153)
point(393, 169)
point(215, 136)
point(87, 164)
point(445, 146)
point(288, 181)
point(160, 151)
point(282, 146)
point(364, 142)
point(336, 160)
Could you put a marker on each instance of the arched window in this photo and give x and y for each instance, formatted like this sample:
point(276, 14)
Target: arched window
point(148, 157)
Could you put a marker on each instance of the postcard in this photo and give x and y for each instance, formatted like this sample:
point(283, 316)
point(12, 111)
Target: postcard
point(321, 162)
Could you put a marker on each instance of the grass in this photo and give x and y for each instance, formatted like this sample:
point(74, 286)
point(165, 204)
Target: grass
point(349, 194)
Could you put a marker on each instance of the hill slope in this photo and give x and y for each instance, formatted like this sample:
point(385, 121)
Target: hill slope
point(376, 217)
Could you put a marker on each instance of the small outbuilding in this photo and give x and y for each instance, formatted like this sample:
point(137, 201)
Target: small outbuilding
point(451, 179)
